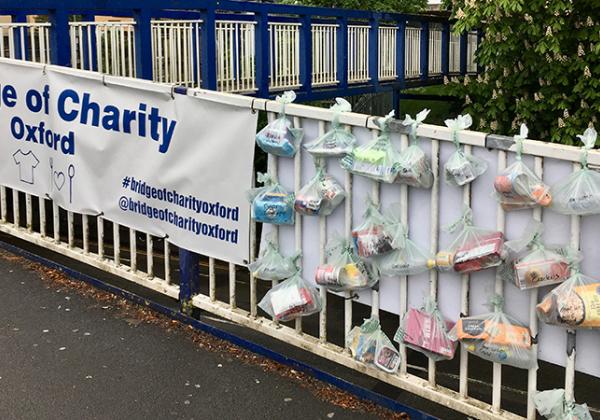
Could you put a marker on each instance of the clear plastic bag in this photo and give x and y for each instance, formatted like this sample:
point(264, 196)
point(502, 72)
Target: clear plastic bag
point(579, 193)
point(377, 159)
point(414, 168)
point(425, 330)
point(473, 249)
point(320, 196)
point(573, 304)
point(371, 237)
point(407, 258)
point(337, 141)
point(530, 264)
point(553, 405)
point(271, 203)
point(279, 138)
point(369, 344)
point(496, 337)
point(344, 269)
point(291, 299)
point(460, 169)
point(271, 265)
point(517, 187)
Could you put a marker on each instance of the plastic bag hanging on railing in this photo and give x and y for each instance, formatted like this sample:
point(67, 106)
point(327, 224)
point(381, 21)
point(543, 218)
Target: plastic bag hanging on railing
point(344, 269)
point(279, 137)
point(377, 159)
point(473, 249)
point(579, 193)
point(271, 203)
point(369, 344)
point(530, 264)
point(517, 186)
point(338, 141)
point(414, 168)
point(573, 304)
point(320, 196)
point(371, 237)
point(271, 265)
point(407, 258)
point(425, 330)
point(496, 337)
point(553, 405)
point(460, 169)
point(290, 299)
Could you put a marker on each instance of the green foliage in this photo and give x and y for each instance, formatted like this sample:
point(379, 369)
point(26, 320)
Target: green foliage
point(542, 66)
point(399, 6)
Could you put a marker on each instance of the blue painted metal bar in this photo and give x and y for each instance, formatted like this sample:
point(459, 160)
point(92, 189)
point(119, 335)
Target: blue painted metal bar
point(20, 18)
point(374, 51)
point(89, 46)
point(143, 43)
point(342, 52)
point(424, 49)
point(197, 324)
point(60, 44)
point(445, 49)
point(262, 51)
point(401, 51)
point(463, 53)
point(208, 50)
point(306, 65)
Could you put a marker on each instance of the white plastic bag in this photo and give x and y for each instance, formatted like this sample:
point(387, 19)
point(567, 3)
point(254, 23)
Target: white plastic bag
point(338, 141)
point(579, 193)
point(320, 196)
point(290, 299)
point(414, 168)
point(371, 237)
point(377, 159)
point(271, 265)
point(271, 203)
point(553, 405)
point(279, 137)
point(460, 169)
point(517, 187)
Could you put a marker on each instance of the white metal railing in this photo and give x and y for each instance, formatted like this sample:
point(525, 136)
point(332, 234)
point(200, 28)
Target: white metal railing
point(28, 41)
point(324, 60)
point(358, 53)
point(454, 53)
point(387, 53)
point(285, 55)
point(176, 51)
point(107, 47)
point(146, 260)
point(471, 50)
point(412, 61)
point(435, 50)
point(236, 57)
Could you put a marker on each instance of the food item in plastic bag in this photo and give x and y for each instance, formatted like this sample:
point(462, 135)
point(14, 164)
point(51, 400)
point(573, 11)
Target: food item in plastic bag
point(271, 203)
point(530, 264)
point(517, 187)
point(574, 304)
point(371, 237)
point(369, 344)
point(337, 141)
point(460, 169)
point(473, 249)
point(579, 193)
point(426, 331)
point(344, 269)
point(413, 167)
point(496, 337)
point(290, 299)
point(271, 265)
point(279, 137)
point(407, 258)
point(377, 159)
point(553, 405)
point(320, 196)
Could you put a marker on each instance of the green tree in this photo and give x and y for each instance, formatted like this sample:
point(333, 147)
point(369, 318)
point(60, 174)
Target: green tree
point(398, 6)
point(541, 62)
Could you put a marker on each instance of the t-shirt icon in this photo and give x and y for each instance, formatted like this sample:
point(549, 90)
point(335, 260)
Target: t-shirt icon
point(27, 162)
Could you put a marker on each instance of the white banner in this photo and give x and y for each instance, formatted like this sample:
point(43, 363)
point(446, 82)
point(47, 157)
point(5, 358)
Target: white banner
point(167, 164)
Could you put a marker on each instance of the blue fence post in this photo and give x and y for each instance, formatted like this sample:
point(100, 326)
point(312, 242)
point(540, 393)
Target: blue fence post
point(374, 51)
point(342, 52)
point(445, 49)
point(189, 279)
point(91, 52)
point(20, 18)
point(143, 43)
point(424, 51)
point(60, 44)
point(401, 51)
point(208, 49)
point(463, 53)
point(306, 65)
point(262, 49)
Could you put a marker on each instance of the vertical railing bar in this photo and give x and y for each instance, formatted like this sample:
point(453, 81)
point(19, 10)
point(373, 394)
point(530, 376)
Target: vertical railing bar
point(70, 229)
point(253, 308)
point(85, 233)
point(348, 234)
point(116, 244)
point(434, 238)
point(56, 222)
point(133, 250)
point(298, 221)
point(403, 279)
point(322, 244)
point(375, 191)
point(3, 205)
point(167, 258)
point(100, 228)
point(212, 287)
point(464, 305)
point(28, 213)
point(42, 210)
point(150, 255)
point(16, 209)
